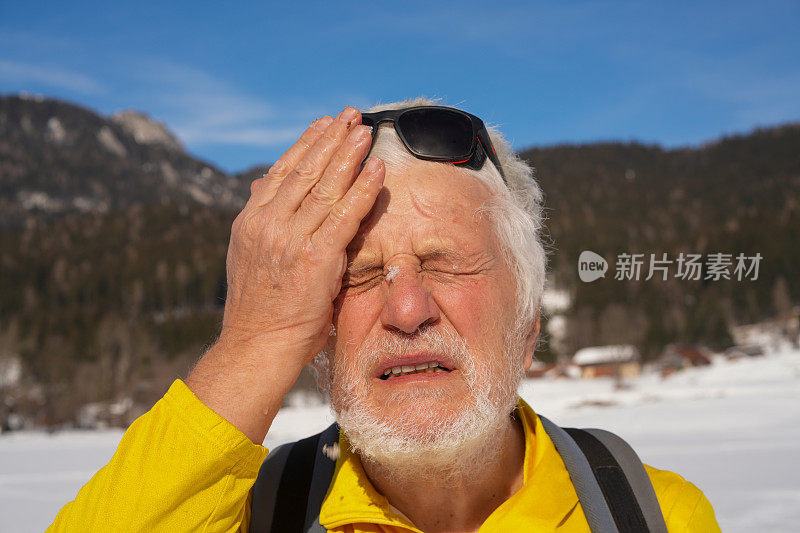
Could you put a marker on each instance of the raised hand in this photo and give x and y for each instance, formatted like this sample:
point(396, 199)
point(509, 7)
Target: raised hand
point(285, 263)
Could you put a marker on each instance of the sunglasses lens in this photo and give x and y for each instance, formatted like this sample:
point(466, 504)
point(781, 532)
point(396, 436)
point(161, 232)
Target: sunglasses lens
point(437, 133)
point(367, 120)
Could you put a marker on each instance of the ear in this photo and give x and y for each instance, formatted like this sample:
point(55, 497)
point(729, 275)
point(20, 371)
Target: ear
point(530, 341)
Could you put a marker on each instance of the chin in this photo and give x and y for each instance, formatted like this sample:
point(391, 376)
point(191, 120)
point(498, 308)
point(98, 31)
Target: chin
point(422, 419)
point(444, 422)
point(443, 440)
point(419, 422)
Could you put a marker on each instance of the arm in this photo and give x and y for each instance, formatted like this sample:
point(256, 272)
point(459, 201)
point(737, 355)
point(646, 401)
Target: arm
point(685, 507)
point(190, 462)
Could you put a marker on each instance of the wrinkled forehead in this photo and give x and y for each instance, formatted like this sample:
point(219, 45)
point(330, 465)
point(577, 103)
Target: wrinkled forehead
point(432, 189)
point(407, 174)
point(422, 200)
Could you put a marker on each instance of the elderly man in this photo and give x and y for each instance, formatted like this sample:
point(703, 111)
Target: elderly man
point(411, 280)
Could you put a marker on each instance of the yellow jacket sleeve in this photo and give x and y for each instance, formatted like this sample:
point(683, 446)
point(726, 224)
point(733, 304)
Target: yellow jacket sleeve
point(685, 507)
point(179, 467)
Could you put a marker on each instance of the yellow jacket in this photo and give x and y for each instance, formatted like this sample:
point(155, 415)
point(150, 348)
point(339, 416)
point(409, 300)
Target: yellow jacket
point(182, 467)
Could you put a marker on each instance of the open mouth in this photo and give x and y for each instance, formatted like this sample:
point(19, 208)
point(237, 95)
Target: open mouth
point(431, 367)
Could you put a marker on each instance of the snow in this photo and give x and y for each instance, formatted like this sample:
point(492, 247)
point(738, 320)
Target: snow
point(556, 300)
point(55, 131)
point(38, 200)
point(595, 355)
point(110, 142)
point(10, 370)
point(732, 428)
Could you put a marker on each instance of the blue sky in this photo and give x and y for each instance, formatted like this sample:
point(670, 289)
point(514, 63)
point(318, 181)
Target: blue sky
point(239, 82)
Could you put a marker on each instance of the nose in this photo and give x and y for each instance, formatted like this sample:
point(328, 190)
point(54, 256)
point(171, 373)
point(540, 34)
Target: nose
point(409, 305)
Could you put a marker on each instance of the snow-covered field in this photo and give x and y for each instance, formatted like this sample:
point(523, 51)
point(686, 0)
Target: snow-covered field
point(733, 429)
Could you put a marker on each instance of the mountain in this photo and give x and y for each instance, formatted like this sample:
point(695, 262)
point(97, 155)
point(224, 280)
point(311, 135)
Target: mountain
point(145, 130)
point(58, 158)
point(738, 195)
point(113, 240)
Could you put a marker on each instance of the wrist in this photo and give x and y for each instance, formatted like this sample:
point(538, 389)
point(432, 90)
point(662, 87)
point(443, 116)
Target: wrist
point(243, 383)
point(286, 346)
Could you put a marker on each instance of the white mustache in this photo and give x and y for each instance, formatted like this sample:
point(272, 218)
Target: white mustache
point(437, 341)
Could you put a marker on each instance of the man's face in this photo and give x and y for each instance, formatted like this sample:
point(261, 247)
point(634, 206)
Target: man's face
point(426, 283)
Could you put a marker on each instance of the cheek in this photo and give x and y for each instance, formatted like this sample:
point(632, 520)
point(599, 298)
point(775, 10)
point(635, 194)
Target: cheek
point(474, 308)
point(354, 315)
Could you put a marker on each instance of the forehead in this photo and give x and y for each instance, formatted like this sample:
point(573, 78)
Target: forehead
point(426, 205)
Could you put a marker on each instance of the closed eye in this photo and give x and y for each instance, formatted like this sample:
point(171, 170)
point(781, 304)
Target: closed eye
point(451, 262)
point(453, 270)
point(361, 279)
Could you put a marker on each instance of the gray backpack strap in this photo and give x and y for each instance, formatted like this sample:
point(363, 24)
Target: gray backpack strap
point(324, 467)
point(637, 478)
point(265, 489)
point(292, 483)
point(594, 505)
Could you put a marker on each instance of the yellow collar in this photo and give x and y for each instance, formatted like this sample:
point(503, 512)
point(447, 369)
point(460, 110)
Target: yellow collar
point(546, 498)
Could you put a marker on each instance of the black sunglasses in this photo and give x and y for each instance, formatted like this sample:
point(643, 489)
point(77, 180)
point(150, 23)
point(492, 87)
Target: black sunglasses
point(438, 133)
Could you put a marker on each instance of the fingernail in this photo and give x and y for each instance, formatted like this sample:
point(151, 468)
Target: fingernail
point(348, 114)
point(321, 124)
point(359, 134)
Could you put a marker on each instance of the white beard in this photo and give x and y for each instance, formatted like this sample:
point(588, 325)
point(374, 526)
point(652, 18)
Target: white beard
point(427, 438)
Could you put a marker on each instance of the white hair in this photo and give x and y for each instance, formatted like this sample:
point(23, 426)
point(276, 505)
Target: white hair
point(515, 208)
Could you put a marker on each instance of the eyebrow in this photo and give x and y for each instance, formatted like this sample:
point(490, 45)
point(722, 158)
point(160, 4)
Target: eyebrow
point(437, 254)
point(359, 263)
point(372, 262)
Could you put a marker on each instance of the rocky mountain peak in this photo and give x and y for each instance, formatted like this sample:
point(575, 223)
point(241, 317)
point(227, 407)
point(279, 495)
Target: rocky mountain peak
point(59, 159)
point(146, 130)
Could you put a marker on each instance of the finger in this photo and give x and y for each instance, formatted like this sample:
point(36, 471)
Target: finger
point(263, 189)
point(309, 169)
point(335, 181)
point(298, 150)
point(346, 215)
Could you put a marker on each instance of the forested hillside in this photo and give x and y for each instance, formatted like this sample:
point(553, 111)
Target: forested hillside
point(113, 239)
point(740, 195)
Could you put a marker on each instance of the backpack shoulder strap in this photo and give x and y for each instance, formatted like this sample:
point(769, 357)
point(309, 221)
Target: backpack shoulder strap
point(265, 488)
point(594, 505)
point(324, 468)
point(612, 485)
point(291, 484)
point(636, 476)
point(615, 483)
